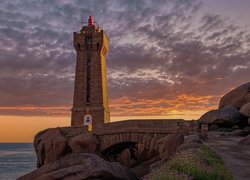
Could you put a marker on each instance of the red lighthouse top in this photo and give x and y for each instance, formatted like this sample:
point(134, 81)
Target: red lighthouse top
point(91, 21)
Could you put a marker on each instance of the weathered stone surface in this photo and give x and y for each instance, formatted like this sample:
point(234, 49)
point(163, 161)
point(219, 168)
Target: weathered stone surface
point(245, 110)
point(237, 97)
point(49, 145)
point(228, 116)
point(190, 141)
point(125, 158)
point(81, 166)
point(235, 127)
point(192, 138)
point(246, 131)
point(185, 146)
point(168, 145)
point(241, 132)
point(140, 170)
point(237, 132)
point(245, 141)
point(87, 143)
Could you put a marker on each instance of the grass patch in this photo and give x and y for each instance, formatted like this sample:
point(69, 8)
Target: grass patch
point(199, 173)
point(196, 163)
point(210, 157)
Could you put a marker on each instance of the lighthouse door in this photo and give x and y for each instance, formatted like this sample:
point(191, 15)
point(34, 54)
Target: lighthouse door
point(87, 120)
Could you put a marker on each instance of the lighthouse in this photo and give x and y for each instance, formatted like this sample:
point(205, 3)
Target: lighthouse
point(90, 102)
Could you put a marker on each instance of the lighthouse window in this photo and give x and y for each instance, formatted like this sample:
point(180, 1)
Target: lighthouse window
point(98, 46)
point(78, 46)
point(88, 81)
point(89, 40)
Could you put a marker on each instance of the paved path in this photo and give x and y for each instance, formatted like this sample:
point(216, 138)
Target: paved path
point(236, 157)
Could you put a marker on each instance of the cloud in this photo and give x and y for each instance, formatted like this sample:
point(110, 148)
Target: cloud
point(181, 104)
point(159, 51)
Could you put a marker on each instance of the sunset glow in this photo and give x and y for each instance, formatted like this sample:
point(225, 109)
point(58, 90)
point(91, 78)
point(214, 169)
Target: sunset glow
point(23, 129)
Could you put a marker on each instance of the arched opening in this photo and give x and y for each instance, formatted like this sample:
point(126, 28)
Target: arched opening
point(130, 154)
point(78, 46)
point(112, 152)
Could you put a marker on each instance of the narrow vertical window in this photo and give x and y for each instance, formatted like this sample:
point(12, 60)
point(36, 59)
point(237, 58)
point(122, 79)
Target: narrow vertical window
point(89, 40)
point(88, 81)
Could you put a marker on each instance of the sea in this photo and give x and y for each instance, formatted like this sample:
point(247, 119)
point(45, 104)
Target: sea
point(16, 159)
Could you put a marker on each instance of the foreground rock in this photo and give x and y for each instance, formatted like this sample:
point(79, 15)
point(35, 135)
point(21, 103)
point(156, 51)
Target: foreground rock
point(245, 110)
point(81, 166)
point(52, 144)
point(49, 145)
point(84, 144)
point(227, 116)
point(237, 97)
point(190, 141)
point(168, 145)
point(245, 141)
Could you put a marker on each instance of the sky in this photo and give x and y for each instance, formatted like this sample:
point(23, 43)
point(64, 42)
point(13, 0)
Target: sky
point(167, 58)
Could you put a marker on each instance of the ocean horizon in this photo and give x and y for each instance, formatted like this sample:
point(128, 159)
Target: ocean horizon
point(16, 159)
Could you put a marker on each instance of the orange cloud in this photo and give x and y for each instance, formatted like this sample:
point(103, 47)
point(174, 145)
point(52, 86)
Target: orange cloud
point(36, 110)
point(182, 105)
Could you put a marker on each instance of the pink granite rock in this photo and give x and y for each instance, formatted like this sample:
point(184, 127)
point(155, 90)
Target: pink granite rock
point(49, 145)
point(236, 97)
point(81, 166)
point(87, 143)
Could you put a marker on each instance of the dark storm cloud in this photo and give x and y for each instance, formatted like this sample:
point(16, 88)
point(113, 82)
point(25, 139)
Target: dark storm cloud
point(158, 49)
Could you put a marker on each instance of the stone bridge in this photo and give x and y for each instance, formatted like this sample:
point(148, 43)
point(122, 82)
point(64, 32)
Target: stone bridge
point(146, 132)
point(114, 138)
point(139, 140)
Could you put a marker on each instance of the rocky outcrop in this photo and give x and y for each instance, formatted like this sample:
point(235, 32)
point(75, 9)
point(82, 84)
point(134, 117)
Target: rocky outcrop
point(60, 153)
point(52, 144)
point(192, 138)
point(49, 145)
point(245, 141)
point(87, 143)
point(168, 145)
point(245, 110)
point(136, 154)
point(233, 112)
point(125, 158)
point(81, 166)
point(237, 97)
point(190, 141)
point(227, 116)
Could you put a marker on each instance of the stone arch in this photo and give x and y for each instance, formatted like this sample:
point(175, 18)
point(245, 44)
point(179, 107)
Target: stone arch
point(129, 149)
point(142, 138)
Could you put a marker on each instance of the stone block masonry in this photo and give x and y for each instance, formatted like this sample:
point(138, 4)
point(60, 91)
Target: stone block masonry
point(90, 93)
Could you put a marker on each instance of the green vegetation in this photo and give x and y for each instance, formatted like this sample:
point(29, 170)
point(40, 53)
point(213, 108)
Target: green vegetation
point(194, 163)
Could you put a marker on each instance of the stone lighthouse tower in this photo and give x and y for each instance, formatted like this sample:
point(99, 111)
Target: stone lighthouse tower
point(90, 104)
